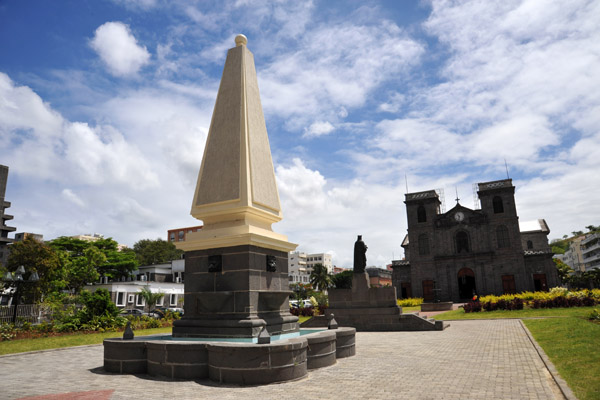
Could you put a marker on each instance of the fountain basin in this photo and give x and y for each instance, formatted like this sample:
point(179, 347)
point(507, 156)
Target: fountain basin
point(286, 358)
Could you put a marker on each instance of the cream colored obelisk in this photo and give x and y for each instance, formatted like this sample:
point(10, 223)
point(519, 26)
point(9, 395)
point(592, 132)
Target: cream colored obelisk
point(236, 194)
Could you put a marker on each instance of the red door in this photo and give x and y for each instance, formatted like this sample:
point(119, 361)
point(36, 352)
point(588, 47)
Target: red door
point(428, 290)
point(508, 284)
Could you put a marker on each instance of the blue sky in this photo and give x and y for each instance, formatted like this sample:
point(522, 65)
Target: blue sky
point(105, 107)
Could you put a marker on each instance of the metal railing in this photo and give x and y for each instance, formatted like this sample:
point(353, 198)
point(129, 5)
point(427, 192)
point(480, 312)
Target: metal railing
point(32, 313)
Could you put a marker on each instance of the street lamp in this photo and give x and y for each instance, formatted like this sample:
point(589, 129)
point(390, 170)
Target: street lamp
point(17, 280)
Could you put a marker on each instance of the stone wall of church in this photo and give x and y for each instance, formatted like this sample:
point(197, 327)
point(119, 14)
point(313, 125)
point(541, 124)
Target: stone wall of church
point(461, 252)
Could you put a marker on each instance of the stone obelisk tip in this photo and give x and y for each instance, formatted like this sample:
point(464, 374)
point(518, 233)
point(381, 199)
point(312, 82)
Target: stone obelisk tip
point(241, 40)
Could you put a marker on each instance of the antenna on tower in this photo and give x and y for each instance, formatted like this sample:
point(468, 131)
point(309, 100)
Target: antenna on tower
point(406, 181)
point(506, 166)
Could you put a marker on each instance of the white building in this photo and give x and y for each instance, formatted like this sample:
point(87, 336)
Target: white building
point(590, 251)
point(573, 256)
point(165, 278)
point(301, 264)
point(319, 258)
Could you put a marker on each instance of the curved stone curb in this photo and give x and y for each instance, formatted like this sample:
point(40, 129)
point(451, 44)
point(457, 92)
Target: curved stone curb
point(562, 385)
point(227, 362)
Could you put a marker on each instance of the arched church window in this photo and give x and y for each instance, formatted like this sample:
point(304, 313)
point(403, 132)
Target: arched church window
point(502, 236)
point(462, 242)
point(421, 214)
point(498, 205)
point(529, 245)
point(423, 244)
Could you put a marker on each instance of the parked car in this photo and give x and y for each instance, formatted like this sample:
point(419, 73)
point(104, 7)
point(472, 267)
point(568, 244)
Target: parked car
point(138, 313)
point(177, 310)
point(296, 304)
point(161, 311)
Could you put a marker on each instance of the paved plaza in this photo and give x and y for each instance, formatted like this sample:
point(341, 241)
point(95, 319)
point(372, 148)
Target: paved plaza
point(489, 359)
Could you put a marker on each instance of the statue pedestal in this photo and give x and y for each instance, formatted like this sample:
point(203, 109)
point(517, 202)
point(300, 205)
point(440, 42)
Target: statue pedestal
point(238, 300)
point(373, 309)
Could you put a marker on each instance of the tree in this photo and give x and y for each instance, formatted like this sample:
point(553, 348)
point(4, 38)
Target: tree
point(563, 270)
point(157, 251)
point(592, 228)
point(97, 303)
point(577, 233)
point(118, 263)
point(37, 256)
point(150, 298)
point(85, 261)
point(320, 278)
point(301, 290)
point(343, 280)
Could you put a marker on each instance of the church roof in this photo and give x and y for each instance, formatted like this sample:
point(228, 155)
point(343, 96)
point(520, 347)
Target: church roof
point(537, 225)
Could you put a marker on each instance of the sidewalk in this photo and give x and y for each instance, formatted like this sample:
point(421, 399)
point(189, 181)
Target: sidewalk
point(491, 359)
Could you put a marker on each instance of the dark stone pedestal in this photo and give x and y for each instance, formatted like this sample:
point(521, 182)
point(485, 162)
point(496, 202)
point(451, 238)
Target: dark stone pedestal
point(441, 306)
point(239, 298)
point(374, 309)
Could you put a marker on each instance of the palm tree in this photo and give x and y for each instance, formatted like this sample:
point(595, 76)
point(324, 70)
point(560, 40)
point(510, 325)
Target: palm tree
point(149, 297)
point(320, 278)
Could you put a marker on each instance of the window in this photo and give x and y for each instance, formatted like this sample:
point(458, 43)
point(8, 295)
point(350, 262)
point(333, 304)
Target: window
point(497, 204)
point(160, 301)
point(120, 299)
point(502, 237)
point(173, 300)
point(462, 242)
point(423, 244)
point(140, 301)
point(130, 298)
point(421, 214)
point(181, 233)
point(172, 236)
point(529, 245)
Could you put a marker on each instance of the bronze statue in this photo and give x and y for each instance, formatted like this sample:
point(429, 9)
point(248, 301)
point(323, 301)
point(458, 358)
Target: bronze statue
point(360, 256)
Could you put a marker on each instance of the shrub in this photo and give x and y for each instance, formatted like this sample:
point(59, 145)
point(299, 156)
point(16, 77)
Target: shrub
point(410, 302)
point(7, 332)
point(322, 308)
point(472, 306)
point(594, 315)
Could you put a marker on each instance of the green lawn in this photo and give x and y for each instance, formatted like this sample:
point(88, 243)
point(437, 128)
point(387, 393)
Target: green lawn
point(569, 339)
point(411, 309)
point(526, 313)
point(572, 346)
point(22, 345)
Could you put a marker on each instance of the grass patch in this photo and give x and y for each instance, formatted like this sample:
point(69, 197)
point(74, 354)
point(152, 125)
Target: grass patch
point(411, 309)
point(570, 341)
point(301, 319)
point(77, 339)
point(572, 346)
point(525, 313)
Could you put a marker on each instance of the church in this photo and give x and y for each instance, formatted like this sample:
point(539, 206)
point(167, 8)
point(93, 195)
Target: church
point(453, 255)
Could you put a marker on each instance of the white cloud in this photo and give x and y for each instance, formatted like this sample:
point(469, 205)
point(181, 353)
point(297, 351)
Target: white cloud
point(318, 212)
point(138, 4)
point(69, 195)
point(118, 49)
point(335, 67)
point(318, 128)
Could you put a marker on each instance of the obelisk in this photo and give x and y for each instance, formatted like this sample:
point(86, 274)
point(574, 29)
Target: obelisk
point(236, 275)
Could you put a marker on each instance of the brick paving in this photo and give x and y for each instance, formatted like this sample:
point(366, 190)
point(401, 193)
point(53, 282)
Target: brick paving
point(491, 359)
